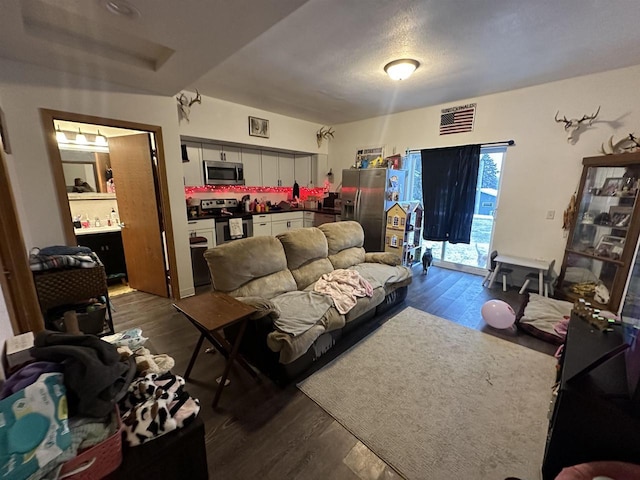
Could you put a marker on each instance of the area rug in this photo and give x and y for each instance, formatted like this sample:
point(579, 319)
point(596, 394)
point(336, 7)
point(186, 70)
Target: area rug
point(439, 401)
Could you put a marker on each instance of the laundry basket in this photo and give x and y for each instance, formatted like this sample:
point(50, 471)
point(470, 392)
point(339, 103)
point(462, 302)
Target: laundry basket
point(97, 461)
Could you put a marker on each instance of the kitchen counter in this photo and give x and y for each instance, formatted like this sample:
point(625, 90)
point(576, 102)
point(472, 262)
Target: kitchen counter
point(329, 211)
point(92, 230)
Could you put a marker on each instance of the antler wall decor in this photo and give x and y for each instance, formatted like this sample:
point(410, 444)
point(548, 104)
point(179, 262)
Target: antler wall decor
point(323, 134)
point(184, 105)
point(574, 125)
point(630, 143)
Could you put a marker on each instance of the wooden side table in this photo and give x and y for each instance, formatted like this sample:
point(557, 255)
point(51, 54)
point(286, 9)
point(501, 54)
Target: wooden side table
point(209, 313)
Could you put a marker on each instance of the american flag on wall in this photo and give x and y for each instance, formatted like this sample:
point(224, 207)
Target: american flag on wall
point(457, 119)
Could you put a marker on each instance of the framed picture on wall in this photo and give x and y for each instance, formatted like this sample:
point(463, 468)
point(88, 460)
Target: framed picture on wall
point(258, 127)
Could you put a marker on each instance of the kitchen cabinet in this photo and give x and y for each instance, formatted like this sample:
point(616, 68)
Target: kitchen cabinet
point(308, 219)
point(270, 176)
point(303, 170)
point(262, 225)
point(281, 226)
point(203, 228)
point(286, 170)
point(321, 218)
point(252, 165)
point(604, 231)
point(193, 170)
point(220, 153)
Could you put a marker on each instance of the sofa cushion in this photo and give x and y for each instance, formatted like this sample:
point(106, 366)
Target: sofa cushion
point(303, 245)
point(380, 275)
point(306, 250)
point(268, 286)
point(235, 264)
point(311, 272)
point(364, 304)
point(342, 235)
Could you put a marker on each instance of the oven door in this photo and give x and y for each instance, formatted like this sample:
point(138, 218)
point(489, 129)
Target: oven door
point(223, 173)
point(223, 233)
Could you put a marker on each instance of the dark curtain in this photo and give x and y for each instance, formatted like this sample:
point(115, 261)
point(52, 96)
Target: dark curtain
point(449, 178)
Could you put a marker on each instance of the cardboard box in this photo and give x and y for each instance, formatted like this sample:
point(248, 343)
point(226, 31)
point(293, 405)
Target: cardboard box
point(17, 349)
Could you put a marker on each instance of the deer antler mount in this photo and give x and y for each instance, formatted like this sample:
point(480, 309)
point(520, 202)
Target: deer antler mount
point(325, 133)
point(574, 126)
point(184, 105)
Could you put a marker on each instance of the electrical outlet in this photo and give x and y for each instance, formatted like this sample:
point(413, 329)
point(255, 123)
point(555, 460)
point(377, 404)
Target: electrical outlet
point(551, 214)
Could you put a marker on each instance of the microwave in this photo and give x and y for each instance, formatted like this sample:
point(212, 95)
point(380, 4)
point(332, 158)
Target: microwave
point(223, 173)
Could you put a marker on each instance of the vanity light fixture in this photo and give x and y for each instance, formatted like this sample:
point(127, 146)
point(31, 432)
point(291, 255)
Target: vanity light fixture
point(101, 139)
point(81, 139)
point(401, 69)
point(60, 136)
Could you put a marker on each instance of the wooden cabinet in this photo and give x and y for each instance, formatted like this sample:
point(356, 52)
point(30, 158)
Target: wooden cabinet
point(403, 234)
point(108, 247)
point(252, 162)
point(193, 169)
point(593, 415)
point(604, 231)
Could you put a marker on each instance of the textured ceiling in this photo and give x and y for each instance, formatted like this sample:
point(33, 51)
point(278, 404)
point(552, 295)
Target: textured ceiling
point(322, 60)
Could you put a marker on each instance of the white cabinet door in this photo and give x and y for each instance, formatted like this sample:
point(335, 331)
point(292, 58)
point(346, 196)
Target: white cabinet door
point(303, 170)
point(193, 170)
point(231, 154)
point(269, 169)
point(261, 229)
point(211, 151)
point(252, 162)
point(285, 225)
point(309, 218)
point(286, 167)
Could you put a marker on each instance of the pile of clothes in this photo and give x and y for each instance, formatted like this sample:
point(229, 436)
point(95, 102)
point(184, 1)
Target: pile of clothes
point(88, 380)
point(60, 256)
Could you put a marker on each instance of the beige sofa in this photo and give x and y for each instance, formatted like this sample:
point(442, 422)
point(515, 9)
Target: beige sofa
point(294, 325)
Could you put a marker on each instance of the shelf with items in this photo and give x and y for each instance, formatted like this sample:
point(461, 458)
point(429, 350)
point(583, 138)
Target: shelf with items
point(604, 231)
point(403, 231)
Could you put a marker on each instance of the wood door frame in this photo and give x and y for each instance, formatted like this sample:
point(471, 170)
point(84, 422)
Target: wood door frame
point(48, 116)
point(16, 278)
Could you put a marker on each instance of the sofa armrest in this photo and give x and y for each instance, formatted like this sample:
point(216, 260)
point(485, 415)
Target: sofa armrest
point(387, 258)
point(263, 307)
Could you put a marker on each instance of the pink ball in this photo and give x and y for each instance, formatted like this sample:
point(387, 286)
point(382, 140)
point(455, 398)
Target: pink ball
point(498, 314)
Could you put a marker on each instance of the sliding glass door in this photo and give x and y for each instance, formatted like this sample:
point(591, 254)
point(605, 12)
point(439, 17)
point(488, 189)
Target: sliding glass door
point(471, 257)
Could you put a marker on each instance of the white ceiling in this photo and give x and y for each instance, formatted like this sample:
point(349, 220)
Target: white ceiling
point(322, 60)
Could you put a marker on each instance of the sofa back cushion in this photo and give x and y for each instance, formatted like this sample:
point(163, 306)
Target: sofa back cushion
point(344, 241)
point(255, 266)
point(306, 251)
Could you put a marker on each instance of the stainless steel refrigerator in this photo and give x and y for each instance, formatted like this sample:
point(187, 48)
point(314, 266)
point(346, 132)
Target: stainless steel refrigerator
point(366, 195)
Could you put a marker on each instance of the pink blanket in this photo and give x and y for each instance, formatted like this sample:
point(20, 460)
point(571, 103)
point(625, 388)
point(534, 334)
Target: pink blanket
point(344, 287)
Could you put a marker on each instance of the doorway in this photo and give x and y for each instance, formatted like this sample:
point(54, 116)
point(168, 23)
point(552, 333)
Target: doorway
point(110, 178)
point(472, 257)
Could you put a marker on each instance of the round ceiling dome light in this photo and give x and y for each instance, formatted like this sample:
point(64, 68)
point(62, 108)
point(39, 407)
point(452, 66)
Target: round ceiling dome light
point(120, 8)
point(401, 69)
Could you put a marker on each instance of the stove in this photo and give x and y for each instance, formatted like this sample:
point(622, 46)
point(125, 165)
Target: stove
point(222, 210)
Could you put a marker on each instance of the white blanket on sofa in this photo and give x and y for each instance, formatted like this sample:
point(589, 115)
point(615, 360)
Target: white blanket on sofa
point(344, 287)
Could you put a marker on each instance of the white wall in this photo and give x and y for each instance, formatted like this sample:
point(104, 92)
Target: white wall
point(26, 88)
point(541, 171)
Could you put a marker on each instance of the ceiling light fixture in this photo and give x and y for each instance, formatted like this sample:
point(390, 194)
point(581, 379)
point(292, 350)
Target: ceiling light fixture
point(120, 8)
point(60, 136)
point(101, 139)
point(401, 69)
point(81, 139)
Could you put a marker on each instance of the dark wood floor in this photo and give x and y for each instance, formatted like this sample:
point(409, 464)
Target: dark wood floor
point(263, 431)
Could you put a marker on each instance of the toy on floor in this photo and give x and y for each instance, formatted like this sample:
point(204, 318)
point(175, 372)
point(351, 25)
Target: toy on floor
point(427, 260)
point(498, 314)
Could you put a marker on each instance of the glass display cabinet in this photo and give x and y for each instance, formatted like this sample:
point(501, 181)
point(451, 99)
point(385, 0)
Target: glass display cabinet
point(604, 231)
